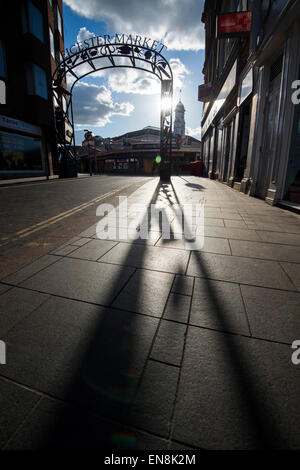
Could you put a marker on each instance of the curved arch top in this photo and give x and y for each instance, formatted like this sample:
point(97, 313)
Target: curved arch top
point(101, 53)
point(117, 55)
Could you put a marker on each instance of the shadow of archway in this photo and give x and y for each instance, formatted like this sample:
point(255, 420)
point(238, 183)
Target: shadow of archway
point(96, 405)
point(259, 426)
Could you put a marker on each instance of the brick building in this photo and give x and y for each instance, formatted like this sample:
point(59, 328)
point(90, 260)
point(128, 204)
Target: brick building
point(31, 45)
point(250, 124)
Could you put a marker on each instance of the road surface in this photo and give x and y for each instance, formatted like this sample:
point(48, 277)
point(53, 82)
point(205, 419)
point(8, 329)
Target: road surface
point(37, 217)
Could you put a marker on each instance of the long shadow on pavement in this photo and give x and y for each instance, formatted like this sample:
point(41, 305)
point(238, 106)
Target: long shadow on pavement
point(104, 387)
point(257, 424)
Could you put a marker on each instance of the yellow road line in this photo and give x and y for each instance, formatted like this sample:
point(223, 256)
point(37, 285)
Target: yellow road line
point(46, 223)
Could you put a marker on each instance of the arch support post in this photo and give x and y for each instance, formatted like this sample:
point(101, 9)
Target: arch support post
point(166, 129)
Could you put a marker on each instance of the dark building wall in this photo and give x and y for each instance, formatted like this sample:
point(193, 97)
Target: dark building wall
point(24, 51)
point(251, 141)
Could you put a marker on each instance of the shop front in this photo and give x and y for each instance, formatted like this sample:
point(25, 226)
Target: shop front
point(21, 149)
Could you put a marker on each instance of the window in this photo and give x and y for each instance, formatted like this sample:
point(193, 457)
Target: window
point(242, 5)
point(2, 61)
point(52, 43)
point(59, 20)
point(33, 21)
point(51, 4)
point(37, 81)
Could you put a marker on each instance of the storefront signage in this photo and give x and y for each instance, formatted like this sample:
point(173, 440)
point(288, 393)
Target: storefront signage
point(204, 92)
point(118, 39)
point(224, 93)
point(16, 125)
point(247, 86)
point(234, 24)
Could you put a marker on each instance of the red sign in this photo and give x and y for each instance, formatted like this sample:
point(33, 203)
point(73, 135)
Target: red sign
point(234, 23)
point(204, 92)
point(177, 154)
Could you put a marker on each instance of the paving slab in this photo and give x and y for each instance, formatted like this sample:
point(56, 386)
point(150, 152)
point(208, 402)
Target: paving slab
point(134, 236)
point(148, 257)
point(212, 222)
point(178, 308)
point(15, 305)
point(31, 269)
point(272, 314)
point(275, 227)
point(81, 280)
point(293, 271)
point(211, 245)
point(255, 272)
point(152, 410)
point(169, 343)
point(219, 306)
point(232, 233)
point(54, 425)
point(183, 285)
point(265, 251)
point(237, 393)
point(4, 288)
point(64, 250)
point(147, 292)
point(93, 250)
point(15, 404)
point(89, 232)
point(278, 237)
point(81, 353)
point(240, 224)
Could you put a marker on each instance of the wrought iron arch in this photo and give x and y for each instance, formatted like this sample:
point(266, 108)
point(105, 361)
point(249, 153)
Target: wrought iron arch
point(120, 54)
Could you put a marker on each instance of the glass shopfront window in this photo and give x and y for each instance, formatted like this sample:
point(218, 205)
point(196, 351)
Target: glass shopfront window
point(20, 153)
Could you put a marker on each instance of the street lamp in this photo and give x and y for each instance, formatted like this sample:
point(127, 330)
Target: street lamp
point(89, 136)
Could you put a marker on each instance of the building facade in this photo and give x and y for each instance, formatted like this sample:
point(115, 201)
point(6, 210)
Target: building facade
point(31, 46)
point(251, 121)
point(135, 153)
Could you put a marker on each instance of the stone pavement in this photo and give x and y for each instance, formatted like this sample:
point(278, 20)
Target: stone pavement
point(116, 344)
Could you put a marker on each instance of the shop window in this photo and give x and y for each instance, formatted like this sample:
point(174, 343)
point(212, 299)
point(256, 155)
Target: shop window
point(2, 92)
point(242, 5)
point(37, 81)
point(52, 48)
point(33, 21)
point(51, 3)
point(2, 61)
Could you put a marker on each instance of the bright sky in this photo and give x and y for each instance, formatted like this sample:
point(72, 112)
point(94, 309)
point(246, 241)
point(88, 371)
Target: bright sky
point(118, 101)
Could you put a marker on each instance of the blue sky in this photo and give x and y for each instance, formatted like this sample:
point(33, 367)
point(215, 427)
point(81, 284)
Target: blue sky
point(125, 100)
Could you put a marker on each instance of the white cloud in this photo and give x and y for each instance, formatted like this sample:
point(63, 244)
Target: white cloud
point(93, 105)
point(176, 22)
point(196, 132)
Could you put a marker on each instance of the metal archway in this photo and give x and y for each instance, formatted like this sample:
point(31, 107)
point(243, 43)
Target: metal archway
point(101, 54)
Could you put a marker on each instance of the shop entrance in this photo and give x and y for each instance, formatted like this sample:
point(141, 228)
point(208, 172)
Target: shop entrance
point(269, 132)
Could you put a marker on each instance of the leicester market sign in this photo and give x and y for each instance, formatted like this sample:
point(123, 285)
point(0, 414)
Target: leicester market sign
point(119, 39)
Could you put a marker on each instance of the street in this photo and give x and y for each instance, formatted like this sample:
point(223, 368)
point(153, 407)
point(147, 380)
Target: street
point(27, 228)
point(125, 344)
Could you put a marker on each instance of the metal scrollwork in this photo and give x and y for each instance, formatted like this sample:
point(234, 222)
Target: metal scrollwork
point(138, 57)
